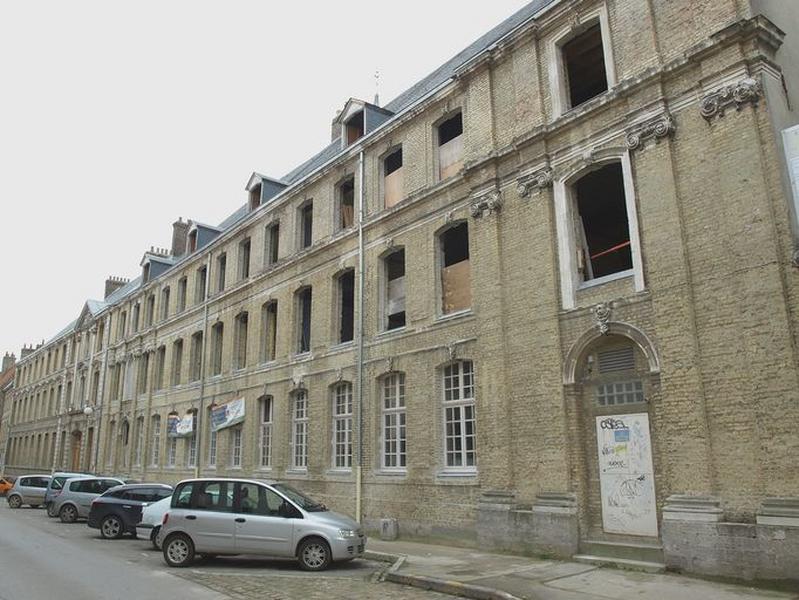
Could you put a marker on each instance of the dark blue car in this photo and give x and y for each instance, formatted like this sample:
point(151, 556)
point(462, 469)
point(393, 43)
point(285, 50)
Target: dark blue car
point(118, 510)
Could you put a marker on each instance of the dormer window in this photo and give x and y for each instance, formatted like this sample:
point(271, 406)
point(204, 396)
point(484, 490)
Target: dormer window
point(192, 240)
point(346, 203)
point(255, 197)
point(145, 274)
point(354, 128)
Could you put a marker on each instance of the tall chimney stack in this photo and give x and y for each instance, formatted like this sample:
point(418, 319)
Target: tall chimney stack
point(8, 362)
point(180, 232)
point(112, 284)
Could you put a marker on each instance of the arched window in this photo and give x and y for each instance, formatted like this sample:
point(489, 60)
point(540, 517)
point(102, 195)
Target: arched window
point(460, 440)
point(342, 425)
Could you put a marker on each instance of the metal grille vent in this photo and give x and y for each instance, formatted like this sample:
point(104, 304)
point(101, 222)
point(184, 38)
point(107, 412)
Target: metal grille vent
point(619, 359)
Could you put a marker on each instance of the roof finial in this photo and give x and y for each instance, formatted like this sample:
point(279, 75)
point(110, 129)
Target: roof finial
point(377, 88)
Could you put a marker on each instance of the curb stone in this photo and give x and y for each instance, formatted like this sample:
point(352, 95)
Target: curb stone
point(453, 588)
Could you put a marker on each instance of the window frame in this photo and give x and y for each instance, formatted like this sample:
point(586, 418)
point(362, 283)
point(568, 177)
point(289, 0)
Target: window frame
point(463, 402)
point(399, 408)
point(341, 452)
point(299, 431)
point(266, 409)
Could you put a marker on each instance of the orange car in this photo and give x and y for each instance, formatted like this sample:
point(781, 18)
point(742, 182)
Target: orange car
point(6, 483)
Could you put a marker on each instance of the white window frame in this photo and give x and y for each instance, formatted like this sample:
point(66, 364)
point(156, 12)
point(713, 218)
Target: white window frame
point(155, 450)
point(171, 451)
point(461, 404)
point(236, 446)
point(393, 423)
point(212, 439)
point(341, 437)
point(266, 410)
point(557, 69)
point(191, 452)
point(139, 450)
point(299, 431)
point(565, 214)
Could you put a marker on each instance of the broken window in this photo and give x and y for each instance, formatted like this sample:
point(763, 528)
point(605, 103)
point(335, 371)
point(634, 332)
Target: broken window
point(244, 258)
point(354, 127)
point(393, 190)
point(584, 66)
point(346, 203)
point(304, 320)
point(177, 362)
point(242, 323)
point(456, 287)
point(306, 225)
point(268, 330)
point(346, 298)
point(450, 146)
point(217, 335)
point(192, 241)
point(221, 267)
point(255, 197)
point(271, 244)
point(603, 234)
point(394, 265)
point(196, 357)
point(199, 284)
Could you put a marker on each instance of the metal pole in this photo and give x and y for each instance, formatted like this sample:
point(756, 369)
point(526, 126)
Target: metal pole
point(359, 364)
point(198, 454)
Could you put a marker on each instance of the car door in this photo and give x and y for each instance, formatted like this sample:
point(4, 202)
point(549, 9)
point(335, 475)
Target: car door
point(209, 522)
point(38, 486)
point(259, 527)
point(24, 488)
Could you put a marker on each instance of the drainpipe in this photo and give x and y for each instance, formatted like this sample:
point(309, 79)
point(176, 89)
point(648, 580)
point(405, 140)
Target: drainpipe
point(359, 359)
point(198, 455)
point(100, 400)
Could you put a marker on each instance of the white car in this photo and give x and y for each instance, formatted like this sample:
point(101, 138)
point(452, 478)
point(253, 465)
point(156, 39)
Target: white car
point(151, 517)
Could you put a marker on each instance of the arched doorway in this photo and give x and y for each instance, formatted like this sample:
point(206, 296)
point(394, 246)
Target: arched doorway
point(74, 450)
point(613, 379)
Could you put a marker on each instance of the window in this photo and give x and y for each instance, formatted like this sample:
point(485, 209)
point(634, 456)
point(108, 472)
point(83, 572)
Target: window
point(136, 310)
point(584, 66)
point(155, 450)
point(177, 362)
point(200, 282)
point(614, 386)
point(123, 318)
point(456, 289)
point(235, 446)
point(265, 433)
point(192, 240)
point(221, 268)
point(191, 452)
point(244, 258)
point(214, 495)
point(342, 426)
point(196, 357)
point(393, 185)
point(268, 331)
point(144, 369)
point(306, 225)
point(171, 451)
point(450, 146)
point(182, 285)
point(299, 430)
point(109, 444)
point(137, 456)
point(160, 364)
point(165, 303)
point(145, 273)
point(242, 323)
point(346, 306)
point(346, 204)
point(271, 244)
point(394, 292)
point(602, 227)
point(211, 445)
point(217, 335)
point(354, 127)
point(459, 421)
point(255, 197)
point(150, 310)
point(304, 320)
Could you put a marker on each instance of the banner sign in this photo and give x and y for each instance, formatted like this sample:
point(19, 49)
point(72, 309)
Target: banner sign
point(185, 427)
point(172, 425)
point(227, 414)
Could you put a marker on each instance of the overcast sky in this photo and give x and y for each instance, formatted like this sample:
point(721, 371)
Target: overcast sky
point(118, 118)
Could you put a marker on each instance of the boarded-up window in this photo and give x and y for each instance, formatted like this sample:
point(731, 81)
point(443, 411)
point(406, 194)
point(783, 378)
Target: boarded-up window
point(304, 320)
point(456, 287)
point(255, 197)
point(450, 146)
point(584, 64)
point(346, 203)
point(354, 128)
point(193, 241)
point(393, 184)
point(395, 290)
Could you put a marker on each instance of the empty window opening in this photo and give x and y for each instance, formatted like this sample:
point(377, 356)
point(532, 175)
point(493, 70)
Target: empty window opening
point(450, 146)
point(221, 267)
point(304, 324)
point(393, 190)
point(395, 290)
point(354, 128)
point(200, 283)
point(306, 225)
point(242, 324)
point(272, 243)
point(603, 234)
point(456, 288)
point(346, 297)
point(268, 331)
point(346, 203)
point(584, 64)
point(244, 258)
point(218, 332)
point(255, 197)
point(182, 285)
point(192, 240)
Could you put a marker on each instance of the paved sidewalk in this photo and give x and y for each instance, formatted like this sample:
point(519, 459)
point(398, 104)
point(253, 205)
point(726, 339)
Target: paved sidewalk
point(494, 576)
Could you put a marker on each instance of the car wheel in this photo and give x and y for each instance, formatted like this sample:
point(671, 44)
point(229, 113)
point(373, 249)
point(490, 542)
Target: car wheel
point(111, 528)
point(314, 554)
point(178, 550)
point(154, 537)
point(68, 514)
point(51, 511)
point(14, 501)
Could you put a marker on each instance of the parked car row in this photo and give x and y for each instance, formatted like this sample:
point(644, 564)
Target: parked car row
point(209, 517)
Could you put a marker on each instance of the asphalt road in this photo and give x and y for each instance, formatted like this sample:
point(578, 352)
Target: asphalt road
point(42, 558)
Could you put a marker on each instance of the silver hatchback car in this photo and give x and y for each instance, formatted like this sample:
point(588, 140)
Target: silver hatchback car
point(75, 500)
point(252, 516)
point(28, 489)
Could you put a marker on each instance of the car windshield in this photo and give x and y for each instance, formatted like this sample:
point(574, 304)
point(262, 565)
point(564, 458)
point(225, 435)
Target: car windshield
point(299, 498)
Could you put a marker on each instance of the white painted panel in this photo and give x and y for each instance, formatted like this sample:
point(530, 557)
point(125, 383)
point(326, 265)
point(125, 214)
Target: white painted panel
point(626, 475)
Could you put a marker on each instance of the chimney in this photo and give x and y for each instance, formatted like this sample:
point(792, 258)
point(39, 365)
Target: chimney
point(25, 351)
point(8, 362)
point(112, 284)
point(180, 231)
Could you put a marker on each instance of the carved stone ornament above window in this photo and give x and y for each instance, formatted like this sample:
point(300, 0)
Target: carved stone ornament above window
point(602, 317)
point(660, 127)
point(488, 202)
point(534, 181)
point(747, 91)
